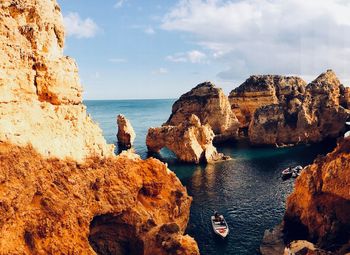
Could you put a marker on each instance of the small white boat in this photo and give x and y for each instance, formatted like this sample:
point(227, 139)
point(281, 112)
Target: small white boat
point(297, 169)
point(286, 173)
point(220, 226)
point(347, 134)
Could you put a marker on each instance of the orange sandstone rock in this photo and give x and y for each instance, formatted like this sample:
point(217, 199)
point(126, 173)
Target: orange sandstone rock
point(211, 106)
point(126, 134)
point(62, 189)
point(117, 205)
point(262, 90)
point(306, 117)
point(319, 207)
point(40, 91)
point(190, 141)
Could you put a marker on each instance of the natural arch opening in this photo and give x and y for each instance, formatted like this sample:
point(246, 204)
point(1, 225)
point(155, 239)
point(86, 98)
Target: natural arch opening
point(110, 235)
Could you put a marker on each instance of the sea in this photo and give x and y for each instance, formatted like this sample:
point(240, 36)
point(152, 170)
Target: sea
point(247, 190)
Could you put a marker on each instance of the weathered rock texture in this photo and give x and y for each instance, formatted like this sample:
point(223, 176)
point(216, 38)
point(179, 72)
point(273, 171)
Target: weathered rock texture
point(262, 90)
point(190, 141)
point(40, 92)
point(66, 192)
point(126, 134)
point(319, 208)
point(211, 106)
point(299, 117)
point(113, 206)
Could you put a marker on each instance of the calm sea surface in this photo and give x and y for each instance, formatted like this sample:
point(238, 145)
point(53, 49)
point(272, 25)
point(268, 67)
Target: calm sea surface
point(247, 190)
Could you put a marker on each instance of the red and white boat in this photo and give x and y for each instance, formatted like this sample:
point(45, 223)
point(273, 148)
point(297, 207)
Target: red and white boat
point(220, 226)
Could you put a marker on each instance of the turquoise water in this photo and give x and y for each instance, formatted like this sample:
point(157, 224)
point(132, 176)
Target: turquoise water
point(247, 190)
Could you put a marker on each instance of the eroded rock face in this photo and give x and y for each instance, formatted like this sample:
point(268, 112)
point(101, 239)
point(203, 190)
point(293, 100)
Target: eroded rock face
point(211, 106)
point(190, 141)
point(66, 192)
point(262, 90)
point(50, 206)
point(40, 91)
point(306, 117)
point(126, 134)
point(319, 207)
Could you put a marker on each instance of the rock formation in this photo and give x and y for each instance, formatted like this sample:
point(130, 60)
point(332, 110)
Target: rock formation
point(112, 206)
point(300, 117)
point(62, 189)
point(319, 208)
point(40, 99)
point(211, 106)
point(190, 141)
point(126, 134)
point(263, 90)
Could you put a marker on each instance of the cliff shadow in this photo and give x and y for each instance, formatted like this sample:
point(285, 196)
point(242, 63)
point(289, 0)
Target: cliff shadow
point(109, 234)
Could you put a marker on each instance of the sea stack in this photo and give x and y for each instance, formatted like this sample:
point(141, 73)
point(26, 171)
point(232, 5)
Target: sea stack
point(126, 134)
point(63, 191)
point(211, 106)
point(191, 141)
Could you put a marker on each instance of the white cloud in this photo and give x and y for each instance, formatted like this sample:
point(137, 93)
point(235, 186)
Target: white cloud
point(119, 4)
point(193, 56)
point(117, 60)
point(160, 70)
point(149, 31)
point(78, 27)
point(267, 36)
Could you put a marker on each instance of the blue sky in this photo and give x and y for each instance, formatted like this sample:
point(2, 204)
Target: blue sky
point(162, 48)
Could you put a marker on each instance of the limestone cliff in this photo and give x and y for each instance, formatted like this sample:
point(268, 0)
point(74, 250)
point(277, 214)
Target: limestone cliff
point(112, 206)
point(312, 116)
point(211, 106)
point(191, 141)
point(263, 90)
point(62, 189)
point(319, 208)
point(40, 99)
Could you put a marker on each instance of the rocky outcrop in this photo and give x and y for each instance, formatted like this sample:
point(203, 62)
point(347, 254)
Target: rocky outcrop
point(299, 117)
point(119, 205)
point(263, 90)
point(62, 189)
point(40, 99)
point(190, 141)
point(211, 106)
point(126, 134)
point(318, 210)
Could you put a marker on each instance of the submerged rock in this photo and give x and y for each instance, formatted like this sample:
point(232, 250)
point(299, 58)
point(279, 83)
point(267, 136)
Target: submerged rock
point(273, 243)
point(126, 134)
point(190, 141)
point(211, 106)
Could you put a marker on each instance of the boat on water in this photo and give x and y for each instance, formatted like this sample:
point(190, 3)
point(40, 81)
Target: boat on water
point(219, 225)
point(286, 173)
point(291, 172)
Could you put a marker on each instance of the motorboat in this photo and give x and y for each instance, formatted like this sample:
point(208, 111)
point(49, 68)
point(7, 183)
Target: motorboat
point(287, 173)
point(219, 225)
point(291, 172)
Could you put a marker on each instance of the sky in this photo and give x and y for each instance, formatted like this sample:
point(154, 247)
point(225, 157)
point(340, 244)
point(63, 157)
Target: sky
point(135, 49)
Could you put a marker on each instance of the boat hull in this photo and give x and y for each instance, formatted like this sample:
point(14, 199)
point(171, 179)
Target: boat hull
point(221, 230)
